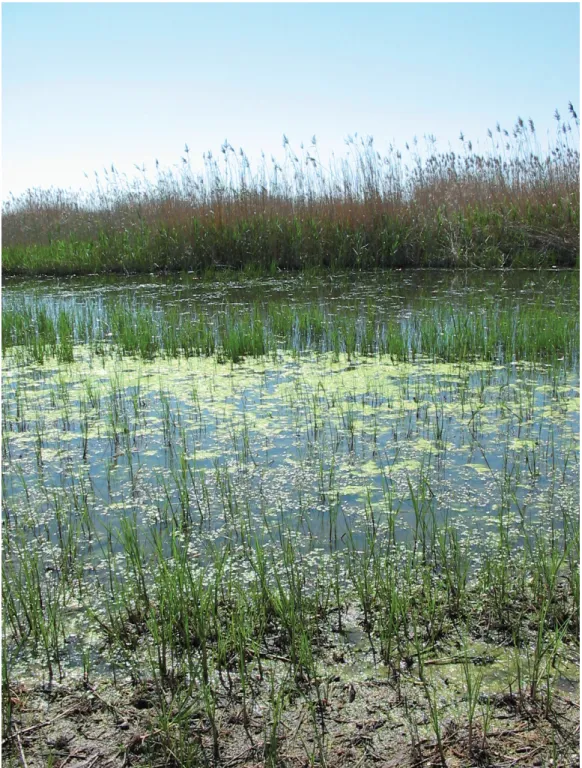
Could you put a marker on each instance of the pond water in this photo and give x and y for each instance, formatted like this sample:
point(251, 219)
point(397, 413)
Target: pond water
point(311, 442)
point(394, 291)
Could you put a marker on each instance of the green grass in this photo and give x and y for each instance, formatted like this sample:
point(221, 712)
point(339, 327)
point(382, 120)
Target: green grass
point(180, 627)
point(476, 330)
point(480, 238)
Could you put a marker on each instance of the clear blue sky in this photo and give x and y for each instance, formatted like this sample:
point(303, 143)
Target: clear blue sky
point(85, 85)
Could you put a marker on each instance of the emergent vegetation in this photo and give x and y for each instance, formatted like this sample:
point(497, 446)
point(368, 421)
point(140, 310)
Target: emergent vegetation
point(509, 205)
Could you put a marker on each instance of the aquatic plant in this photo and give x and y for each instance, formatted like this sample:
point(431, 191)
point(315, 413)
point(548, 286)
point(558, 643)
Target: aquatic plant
point(475, 329)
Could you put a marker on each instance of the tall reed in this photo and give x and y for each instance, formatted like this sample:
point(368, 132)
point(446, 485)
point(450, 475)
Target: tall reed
point(509, 204)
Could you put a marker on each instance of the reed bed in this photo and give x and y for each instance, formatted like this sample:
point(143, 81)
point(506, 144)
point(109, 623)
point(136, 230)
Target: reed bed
point(508, 205)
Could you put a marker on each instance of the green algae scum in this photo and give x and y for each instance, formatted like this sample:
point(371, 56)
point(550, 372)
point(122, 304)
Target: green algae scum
point(291, 521)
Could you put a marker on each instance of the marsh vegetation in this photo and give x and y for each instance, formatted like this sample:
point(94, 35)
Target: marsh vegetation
point(506, 203)
point(291, 521)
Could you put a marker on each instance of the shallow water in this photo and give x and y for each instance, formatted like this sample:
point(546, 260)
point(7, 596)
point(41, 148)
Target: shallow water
point(297, 441)
point(307, 447)
point(395, 290)
point(381, 423)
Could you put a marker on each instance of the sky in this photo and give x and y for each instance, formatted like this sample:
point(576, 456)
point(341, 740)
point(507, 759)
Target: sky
point(88, 85)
